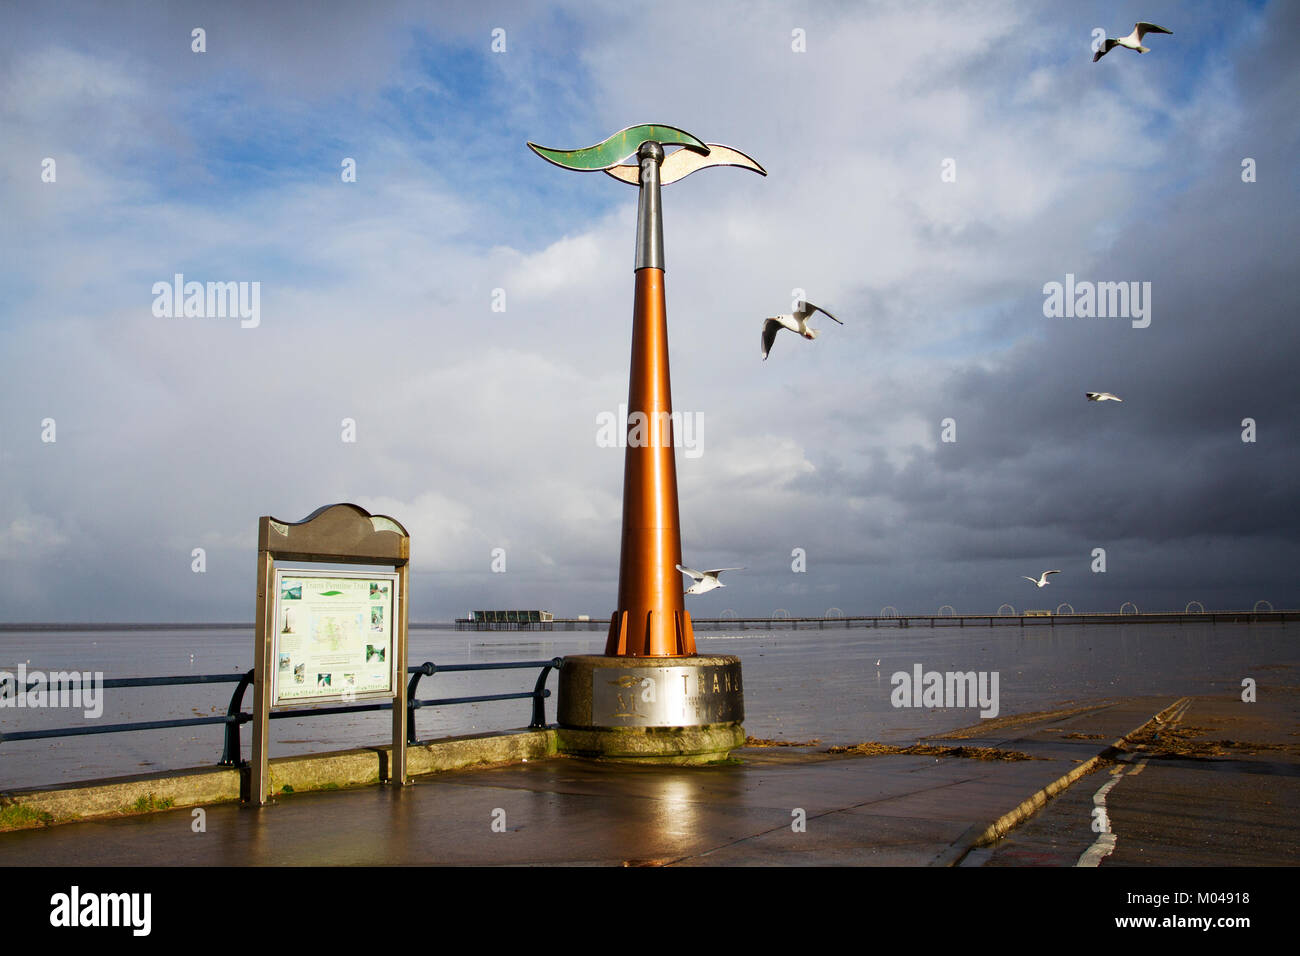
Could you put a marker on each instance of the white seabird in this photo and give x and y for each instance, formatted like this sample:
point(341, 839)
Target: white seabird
point(705, 580)
point(1133, 41)
point(1102, 397)
point(795, 323)
point(1041, 581)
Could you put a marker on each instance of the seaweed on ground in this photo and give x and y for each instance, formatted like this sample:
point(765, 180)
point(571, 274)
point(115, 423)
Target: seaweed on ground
point(871, 748)
point(765, 742)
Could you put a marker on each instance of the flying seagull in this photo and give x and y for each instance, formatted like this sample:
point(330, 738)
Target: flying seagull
point(1133, 41)
point(795, 323)
point(1102, 397)
point(705, 580)
point(1042, 580)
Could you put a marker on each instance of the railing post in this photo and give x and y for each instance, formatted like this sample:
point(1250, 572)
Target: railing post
point(427, 668)
point(230, 753)
point(539, 694)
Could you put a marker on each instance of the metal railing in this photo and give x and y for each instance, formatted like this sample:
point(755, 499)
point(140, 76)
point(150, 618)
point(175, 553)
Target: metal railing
point(235, 716)
point(539, 693)
point(232, 719)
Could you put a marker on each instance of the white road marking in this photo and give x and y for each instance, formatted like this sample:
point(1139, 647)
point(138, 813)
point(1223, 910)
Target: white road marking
point(1104, 845)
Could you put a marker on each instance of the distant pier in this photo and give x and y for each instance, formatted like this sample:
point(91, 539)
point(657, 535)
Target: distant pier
point(1027, 619)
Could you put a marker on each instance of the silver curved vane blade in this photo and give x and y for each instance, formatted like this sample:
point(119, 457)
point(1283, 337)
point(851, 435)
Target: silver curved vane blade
point(681, 163)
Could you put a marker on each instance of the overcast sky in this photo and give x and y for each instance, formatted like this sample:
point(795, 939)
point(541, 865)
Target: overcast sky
point(477, 428)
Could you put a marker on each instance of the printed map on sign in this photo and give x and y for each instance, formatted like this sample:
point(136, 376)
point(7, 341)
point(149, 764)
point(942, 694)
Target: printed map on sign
point(331, 632)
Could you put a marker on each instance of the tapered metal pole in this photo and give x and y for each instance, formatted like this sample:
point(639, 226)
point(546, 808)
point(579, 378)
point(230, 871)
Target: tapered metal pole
point(651, 619)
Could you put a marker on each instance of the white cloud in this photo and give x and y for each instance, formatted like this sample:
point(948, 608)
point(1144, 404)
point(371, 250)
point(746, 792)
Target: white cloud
point(476, 428)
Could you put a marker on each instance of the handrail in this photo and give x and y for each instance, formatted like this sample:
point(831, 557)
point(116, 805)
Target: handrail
point(538, 694)
point(235, 716)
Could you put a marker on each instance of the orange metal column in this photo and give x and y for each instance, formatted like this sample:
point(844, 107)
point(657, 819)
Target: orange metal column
point(651, 620)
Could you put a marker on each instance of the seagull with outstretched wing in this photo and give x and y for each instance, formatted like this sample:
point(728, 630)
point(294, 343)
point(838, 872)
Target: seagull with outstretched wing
point(1131, 42)
point(1102, 397)
point(1041, 581)
point(705, 580)
point(798, 322)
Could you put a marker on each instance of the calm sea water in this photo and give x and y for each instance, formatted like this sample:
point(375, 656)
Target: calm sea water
point(799, 685)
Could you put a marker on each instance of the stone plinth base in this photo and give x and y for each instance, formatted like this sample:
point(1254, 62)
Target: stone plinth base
point(651, 709)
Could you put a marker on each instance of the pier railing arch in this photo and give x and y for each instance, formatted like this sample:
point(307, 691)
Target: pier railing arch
point(1065, 604)
point(1129, 604)
point(949, 608)
point(1009, 610)
point(1262, 601)
point(1188, 608)
point(889, 611)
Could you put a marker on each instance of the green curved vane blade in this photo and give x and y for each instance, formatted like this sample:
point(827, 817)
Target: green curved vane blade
point(619, 146)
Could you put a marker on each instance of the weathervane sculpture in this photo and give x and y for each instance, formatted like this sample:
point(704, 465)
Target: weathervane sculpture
point(651, 696)
point(651, 619)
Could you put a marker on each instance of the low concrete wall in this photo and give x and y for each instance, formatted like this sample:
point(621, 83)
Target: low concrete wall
point(117, 796)
point(145, 793)
point(203, 786)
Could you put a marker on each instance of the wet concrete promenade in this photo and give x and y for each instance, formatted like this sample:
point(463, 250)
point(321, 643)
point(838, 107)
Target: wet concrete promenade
point(1214, 782)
